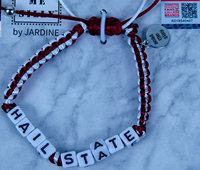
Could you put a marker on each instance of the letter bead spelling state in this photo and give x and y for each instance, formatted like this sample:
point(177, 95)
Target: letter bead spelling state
point(69, 159)
point(129, 137)
point(114, 144)
point(85, 158)
point(99, 150)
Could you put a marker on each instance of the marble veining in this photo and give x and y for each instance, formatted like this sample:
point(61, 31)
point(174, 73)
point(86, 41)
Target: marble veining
point(89, 92)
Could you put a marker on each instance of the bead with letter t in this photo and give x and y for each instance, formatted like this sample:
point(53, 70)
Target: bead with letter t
point(114, 144)
point(85, 158)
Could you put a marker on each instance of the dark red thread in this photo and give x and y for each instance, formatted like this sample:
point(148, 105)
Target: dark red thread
point(77, 28)
point(7, 107)
point(113, 26)
point(59, 162)
point(144, 82)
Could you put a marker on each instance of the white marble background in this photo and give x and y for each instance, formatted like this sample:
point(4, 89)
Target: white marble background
point(89, 91)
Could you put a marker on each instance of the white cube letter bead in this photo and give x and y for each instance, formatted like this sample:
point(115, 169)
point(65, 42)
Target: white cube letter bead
point(99, 150)
point(114, 144)
point(46, 149)
point(69, 159)
point(16, 115)
point(24, 127)
point(36, 137)
point(129, 137)
point(85, 158)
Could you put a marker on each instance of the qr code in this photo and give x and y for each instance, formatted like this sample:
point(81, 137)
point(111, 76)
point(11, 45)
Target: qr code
point(189, 10)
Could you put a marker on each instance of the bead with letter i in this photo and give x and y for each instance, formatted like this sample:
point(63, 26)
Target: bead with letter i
point(36, 137)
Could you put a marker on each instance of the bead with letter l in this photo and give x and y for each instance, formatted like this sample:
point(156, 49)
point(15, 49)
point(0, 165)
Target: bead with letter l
point(46, 149)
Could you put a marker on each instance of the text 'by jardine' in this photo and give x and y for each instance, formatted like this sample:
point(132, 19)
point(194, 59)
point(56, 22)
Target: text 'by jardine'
point(36, 32)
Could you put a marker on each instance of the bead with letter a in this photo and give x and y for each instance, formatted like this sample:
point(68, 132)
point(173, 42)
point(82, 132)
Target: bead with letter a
point(99, 150)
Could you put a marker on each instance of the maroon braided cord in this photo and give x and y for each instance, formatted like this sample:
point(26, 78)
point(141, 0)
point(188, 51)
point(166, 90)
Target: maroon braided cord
point(145, 101)
point(94, 30)
point(2, 8)
point(7, 107)
point(145, 107)
point(113, 27)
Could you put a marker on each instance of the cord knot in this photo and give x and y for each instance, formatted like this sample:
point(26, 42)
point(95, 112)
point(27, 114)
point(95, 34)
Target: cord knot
point(113, 26)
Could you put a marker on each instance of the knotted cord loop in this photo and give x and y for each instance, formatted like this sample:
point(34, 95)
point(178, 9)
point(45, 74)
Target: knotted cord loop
point(134, 29)
point(59, 162)
point(113, 26)
point(7, 107)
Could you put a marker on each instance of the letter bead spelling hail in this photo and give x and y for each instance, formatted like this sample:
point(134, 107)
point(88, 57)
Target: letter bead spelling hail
point(36, 137)
point(46, 149)
point(16, 115)
point(24, 127)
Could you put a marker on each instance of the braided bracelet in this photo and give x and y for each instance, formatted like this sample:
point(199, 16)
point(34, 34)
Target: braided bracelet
point(99, 149)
